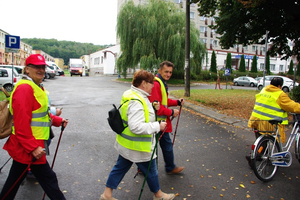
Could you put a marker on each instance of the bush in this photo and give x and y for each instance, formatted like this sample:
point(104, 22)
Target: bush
point(295, 94)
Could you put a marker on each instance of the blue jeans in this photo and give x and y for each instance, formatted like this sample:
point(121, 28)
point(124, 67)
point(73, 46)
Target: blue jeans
point(123, 165)
point(166, 145)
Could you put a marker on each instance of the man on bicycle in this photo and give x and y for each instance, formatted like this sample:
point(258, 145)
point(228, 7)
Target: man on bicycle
point(271, 103)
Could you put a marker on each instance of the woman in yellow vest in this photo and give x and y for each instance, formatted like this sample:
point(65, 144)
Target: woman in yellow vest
point(30, 132)
point(137, 141)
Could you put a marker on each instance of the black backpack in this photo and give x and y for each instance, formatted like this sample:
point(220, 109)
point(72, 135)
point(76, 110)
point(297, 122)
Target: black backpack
point(115, 120)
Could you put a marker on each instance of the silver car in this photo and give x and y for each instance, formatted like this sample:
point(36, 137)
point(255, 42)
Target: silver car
point(245, 81)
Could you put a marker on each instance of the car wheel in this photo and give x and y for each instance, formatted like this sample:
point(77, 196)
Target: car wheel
point(251, 84)
point(285, 89)
point(260, 87)
point(47, 76)
point(235, 83)
point(8, 87)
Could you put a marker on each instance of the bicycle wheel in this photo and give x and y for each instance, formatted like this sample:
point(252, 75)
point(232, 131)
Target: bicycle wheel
point(261, 162)
point(297, 147)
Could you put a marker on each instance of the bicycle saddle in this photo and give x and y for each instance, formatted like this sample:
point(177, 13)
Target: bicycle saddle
point(275, 121)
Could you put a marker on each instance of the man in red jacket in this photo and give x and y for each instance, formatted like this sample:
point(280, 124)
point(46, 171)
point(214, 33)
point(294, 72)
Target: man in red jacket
point(160, 93)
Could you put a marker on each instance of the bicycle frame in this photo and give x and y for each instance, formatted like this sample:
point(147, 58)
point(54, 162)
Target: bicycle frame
point(283, 155)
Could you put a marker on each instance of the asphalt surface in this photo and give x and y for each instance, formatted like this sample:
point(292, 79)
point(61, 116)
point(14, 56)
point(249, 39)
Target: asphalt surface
point(210, 145)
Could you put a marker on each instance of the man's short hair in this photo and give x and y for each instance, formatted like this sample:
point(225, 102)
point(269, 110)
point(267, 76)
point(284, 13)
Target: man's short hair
point(277, 81)
point(168, 63)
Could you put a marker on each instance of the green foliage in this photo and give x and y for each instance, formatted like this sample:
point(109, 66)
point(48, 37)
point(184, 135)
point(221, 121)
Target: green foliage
point(246, 22)
point(213, 62)
point(154, 32)
point(242, 67)
point(228, 61)
point(254, 64)
point(63, 49)
point(295, 94)
point(291, 68)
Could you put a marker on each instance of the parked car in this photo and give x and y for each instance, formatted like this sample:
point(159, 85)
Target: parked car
point(287, 83)
point(8, 78)
point(18, 68)
point(56, 68)
point(258, 78)
point(245, 81)
point(50, 73)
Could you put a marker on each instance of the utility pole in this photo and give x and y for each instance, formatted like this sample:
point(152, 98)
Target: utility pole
point(266, 51)
point(187, 49)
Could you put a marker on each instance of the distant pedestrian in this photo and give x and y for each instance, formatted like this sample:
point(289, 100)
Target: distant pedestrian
point(218, 83)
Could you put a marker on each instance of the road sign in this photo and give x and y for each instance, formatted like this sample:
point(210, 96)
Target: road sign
point(227, 72)
point(12, 43)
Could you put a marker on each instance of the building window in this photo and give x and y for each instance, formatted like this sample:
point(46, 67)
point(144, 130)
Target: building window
point(235, 46)
point(193, 5)
point(192, 15)
point(272, 67)
point(203, 40)
point(97, 61)
point(262, 66)
point(101, 59)
point(262, 49)
point(213, 31)
point(245, 48)
point(281, 68)
point(203, 29)
point(254, 48)
point(202, 18)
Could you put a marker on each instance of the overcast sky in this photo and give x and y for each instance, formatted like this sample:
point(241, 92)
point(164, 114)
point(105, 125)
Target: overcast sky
point(91, 21)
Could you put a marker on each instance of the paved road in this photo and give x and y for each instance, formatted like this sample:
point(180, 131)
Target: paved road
point(213, 153)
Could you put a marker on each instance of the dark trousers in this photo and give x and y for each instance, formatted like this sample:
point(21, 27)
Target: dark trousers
point(44, 175)
point(166, 145)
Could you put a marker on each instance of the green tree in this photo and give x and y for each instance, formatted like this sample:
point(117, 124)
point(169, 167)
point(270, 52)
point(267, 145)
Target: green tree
point(268, 65)
point(152, 33)
point(228, 61)
point(298, 69)
point(254, 64)
point(242, 67)
point(246, 22)
point(291, 68)
point(213, 62)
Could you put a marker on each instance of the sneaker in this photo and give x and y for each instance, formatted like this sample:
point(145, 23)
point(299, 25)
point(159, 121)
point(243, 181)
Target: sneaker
point(102, 198)
point(165, 197)
point(176, 170)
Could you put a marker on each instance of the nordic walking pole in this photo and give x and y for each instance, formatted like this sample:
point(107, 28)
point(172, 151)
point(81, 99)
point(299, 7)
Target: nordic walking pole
point(177, 123)
point(5, 164)
point(142, 189)
point(62, 130)
point(155, 103)
point(23, 173)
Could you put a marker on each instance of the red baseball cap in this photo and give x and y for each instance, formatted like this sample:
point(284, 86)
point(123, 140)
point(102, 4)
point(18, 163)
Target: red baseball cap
point(35, 59)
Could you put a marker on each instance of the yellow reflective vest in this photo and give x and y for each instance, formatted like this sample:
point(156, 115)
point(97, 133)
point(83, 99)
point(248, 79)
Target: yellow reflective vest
point(164, 100)
point(266, 107)
point(128, 139)
point(40, 122)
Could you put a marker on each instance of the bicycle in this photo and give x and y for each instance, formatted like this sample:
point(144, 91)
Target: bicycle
point(268, 153)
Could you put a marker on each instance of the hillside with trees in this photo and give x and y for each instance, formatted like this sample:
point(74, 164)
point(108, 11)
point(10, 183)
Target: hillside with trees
point(63, 49)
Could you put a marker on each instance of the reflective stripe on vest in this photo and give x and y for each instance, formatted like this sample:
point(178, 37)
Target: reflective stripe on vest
point(128, 139)
point(40, 122)
point(164, 98)
point(266, 107)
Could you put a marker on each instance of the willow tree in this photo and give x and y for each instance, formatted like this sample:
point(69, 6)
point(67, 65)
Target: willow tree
point(152, 33)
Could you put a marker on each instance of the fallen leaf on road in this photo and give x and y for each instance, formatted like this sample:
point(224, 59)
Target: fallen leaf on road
point(242, 186)
point(253, 182)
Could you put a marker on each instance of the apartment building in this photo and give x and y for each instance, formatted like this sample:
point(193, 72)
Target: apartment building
point(46, 56)
point(209, 37)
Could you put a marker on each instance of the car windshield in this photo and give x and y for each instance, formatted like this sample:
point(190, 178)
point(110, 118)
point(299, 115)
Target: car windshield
point(76, 65)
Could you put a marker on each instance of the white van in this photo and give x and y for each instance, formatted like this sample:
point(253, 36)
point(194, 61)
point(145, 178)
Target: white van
point(53, 66)
point(6, 79)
